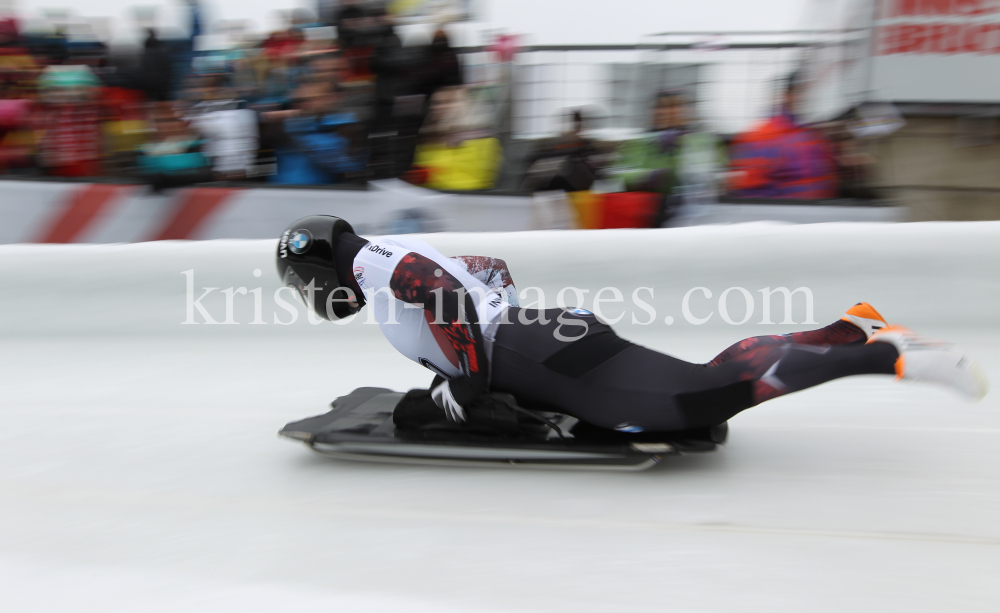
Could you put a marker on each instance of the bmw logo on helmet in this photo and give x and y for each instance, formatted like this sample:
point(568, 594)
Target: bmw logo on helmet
point(300, 241)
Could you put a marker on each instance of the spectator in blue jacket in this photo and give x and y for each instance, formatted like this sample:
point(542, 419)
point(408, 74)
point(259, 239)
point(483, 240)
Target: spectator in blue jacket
point(316, 143)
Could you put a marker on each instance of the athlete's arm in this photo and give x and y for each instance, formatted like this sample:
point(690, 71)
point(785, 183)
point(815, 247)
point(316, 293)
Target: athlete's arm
point(492, 272)
point(421, 281)
point(488, 270)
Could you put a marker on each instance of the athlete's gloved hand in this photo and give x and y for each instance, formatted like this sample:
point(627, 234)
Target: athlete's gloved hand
point(452, 395)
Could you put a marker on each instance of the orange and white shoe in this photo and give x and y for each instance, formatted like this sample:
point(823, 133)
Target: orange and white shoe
point(922, 359)
point(864, 316)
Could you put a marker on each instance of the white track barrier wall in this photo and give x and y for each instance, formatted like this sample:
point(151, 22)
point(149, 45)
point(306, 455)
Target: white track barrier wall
point(140, 471)
point(922, 274)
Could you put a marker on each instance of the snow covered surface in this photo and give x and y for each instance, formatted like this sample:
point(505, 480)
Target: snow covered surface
point(140, 470)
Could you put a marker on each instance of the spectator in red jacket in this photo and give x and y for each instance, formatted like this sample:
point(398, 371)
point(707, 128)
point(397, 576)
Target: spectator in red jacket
point(70, 121)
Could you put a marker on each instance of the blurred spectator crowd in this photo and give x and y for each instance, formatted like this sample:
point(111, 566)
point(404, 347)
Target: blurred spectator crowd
point(297, 107)
point(677, 162)
point(347, 102)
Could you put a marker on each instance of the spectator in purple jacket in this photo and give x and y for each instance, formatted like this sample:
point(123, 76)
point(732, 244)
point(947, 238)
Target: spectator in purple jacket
point(783, 158)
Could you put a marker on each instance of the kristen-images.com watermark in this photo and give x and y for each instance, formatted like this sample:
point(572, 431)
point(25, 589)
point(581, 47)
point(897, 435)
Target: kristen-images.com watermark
point(698, 306)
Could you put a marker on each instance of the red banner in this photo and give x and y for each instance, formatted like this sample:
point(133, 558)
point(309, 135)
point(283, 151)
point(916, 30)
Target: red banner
point(939, 38)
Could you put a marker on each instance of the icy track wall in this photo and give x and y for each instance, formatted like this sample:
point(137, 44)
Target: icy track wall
point(140, 469)
point(926, 275)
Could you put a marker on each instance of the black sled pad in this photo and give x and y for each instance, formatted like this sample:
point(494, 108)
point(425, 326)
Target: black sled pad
point(360, 427)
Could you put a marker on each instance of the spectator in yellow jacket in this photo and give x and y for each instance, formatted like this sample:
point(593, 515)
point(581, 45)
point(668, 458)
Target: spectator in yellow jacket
point(455, 151)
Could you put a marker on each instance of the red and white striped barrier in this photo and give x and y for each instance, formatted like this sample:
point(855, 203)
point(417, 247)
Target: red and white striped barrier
point(53, 212)
point(50, 212)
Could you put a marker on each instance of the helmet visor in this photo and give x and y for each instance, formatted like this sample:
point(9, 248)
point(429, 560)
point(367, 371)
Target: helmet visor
point(339, 303)
point(295, 282)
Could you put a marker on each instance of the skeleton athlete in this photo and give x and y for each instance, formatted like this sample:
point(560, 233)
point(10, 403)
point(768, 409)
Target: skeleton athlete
point(459, 317)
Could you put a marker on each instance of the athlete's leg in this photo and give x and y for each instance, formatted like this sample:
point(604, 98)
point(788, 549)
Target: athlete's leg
point(611, 383)
point(838, 333)
point(644, 388)
point(860, 343)
point(641, 389)
point(854, 328)
point(769, 371)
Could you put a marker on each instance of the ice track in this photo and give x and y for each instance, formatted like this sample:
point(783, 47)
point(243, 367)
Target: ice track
point(140, 469)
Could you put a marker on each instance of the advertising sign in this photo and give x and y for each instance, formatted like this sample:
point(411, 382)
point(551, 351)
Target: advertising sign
point(407, 11)
point(411, 11)
point(937, 51)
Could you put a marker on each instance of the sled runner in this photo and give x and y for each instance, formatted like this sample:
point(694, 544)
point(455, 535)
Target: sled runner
point(361, 426)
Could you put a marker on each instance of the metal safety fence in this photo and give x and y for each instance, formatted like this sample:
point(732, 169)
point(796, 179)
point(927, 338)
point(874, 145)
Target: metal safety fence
point(731, 81)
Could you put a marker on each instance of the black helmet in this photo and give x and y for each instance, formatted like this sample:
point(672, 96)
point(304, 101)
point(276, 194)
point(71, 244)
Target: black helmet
point(307, 255)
